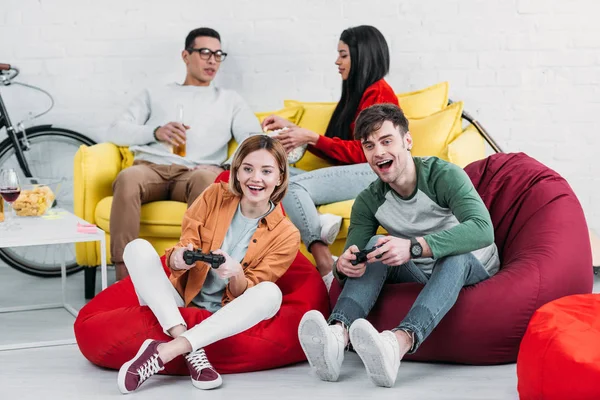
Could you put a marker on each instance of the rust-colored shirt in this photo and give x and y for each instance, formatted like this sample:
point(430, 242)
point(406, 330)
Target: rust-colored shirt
point(270, 253)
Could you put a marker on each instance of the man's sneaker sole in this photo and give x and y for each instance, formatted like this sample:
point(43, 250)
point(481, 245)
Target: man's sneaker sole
point(125, 367)
point(312, 333)
point(364, 341)
point(207, 385)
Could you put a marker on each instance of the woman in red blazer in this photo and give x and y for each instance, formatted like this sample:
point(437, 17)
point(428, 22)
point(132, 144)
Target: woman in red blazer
point(363, 61)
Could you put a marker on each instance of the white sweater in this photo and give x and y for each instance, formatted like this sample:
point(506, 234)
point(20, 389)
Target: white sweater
point(214, 115)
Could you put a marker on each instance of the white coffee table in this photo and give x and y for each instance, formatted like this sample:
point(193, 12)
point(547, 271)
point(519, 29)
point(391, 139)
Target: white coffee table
point(57, 227)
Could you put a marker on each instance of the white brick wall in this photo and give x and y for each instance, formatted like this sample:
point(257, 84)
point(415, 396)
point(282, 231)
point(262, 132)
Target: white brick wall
point(528, 69)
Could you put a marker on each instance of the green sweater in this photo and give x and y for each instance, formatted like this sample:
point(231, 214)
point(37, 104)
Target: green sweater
point(445, 210)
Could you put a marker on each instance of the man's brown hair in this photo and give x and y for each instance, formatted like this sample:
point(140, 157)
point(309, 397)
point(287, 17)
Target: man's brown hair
point(370, 119)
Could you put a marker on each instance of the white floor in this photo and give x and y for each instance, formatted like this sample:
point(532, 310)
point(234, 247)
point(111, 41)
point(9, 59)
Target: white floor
point(63, 373)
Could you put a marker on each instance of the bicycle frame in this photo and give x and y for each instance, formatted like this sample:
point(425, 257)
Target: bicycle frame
point(14, 134)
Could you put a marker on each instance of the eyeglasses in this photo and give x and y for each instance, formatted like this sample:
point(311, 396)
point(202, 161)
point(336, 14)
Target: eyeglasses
point(206, 54)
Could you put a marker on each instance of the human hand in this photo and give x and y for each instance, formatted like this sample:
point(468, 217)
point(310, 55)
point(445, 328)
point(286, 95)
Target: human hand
point(273, 122)
point(344, 263)
point(172, 133)
point(177, 261)
point(296, 137)
point(229, 268)
point(393, 251)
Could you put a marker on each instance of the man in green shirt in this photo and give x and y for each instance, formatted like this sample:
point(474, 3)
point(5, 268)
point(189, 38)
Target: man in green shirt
point(440, 235)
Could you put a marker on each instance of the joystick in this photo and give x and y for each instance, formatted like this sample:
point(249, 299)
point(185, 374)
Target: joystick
point(191, 256)
point(361, 256)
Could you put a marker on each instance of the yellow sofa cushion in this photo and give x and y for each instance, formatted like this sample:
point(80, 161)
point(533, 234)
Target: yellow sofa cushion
point(310, 162)
point(341, 208)
point(158, 218)
point(424, 102)
point(292, 113)
point(315, 117)
point(432, 135)
point(469, 146)
point(126, 157)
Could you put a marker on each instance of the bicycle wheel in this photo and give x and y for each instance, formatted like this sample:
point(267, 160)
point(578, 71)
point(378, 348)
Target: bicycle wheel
point(50, 156)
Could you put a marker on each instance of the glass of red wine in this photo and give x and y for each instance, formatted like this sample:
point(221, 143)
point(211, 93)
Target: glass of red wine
point(10, 189)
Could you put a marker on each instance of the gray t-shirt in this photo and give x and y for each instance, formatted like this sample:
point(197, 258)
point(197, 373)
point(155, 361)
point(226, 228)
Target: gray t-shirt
point(236, 242)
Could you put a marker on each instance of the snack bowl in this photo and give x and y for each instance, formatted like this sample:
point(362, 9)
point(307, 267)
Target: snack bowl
point(294, 155)
point(37, 196)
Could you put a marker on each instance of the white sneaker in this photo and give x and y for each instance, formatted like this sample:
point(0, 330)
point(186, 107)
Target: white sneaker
point(328, 280)
point(380, 352)
point(330, 227)
point(323, 345)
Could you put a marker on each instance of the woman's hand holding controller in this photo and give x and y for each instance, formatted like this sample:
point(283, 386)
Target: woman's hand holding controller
point(230, 268)
point(177, 261)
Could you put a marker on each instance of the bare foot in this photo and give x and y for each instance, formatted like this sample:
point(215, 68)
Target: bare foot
point(322, 256)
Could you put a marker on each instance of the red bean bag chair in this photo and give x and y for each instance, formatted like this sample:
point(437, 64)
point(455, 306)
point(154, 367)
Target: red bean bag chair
point(544, 246)
point(110, 329)
point(560, 353)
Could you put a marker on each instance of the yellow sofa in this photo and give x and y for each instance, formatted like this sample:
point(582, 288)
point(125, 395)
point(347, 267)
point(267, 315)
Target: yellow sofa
point(437, 129)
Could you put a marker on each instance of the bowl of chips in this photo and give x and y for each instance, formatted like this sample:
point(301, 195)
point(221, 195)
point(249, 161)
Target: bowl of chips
point(37, 196)
point(294, 155)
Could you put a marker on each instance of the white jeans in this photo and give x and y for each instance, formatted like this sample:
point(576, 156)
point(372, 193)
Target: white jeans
point(154, 289)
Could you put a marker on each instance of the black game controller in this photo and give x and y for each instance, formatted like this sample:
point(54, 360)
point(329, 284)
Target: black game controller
point(191, 256)
point(361, 256)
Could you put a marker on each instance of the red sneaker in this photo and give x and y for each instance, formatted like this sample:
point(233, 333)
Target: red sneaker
point(203, 374)
point(141, 367)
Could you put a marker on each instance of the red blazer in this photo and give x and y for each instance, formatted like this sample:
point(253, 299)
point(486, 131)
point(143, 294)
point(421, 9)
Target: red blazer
point(346, 152)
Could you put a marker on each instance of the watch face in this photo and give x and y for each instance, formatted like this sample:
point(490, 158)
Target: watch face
point(415, 250)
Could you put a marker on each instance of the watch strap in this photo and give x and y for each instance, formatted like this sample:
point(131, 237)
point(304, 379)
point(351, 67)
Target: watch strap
point(414, 242)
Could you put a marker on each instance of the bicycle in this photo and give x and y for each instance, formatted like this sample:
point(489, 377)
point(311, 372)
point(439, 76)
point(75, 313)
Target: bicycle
point(42, 152)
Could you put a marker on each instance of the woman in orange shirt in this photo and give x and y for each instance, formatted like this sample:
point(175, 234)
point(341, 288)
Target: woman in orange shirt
point(240, 221)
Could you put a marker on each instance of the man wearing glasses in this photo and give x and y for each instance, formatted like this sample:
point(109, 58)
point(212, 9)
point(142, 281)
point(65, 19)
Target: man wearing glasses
point(178, 134)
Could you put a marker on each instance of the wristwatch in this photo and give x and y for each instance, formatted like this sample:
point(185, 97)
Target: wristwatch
point(416, 250)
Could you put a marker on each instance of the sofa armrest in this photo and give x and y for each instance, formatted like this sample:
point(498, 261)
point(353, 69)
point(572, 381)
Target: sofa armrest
point(94, 171)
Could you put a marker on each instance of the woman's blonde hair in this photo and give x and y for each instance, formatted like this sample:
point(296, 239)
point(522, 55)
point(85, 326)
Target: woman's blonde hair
point(254, 143)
